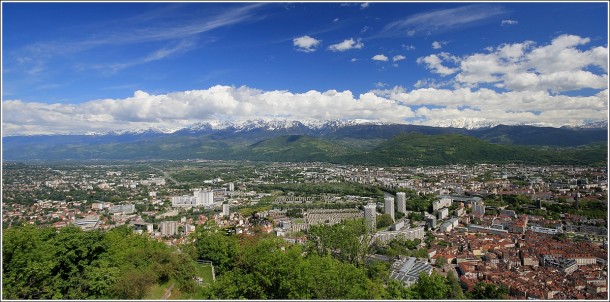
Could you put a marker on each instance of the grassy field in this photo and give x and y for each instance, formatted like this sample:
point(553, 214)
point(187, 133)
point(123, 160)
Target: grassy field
point(205, 271)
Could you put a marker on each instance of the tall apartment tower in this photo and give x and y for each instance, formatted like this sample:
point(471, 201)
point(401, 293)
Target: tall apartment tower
point(401, 202)
point(231, 186)
point(388, 207)
point(225, 210)
point(370, 216)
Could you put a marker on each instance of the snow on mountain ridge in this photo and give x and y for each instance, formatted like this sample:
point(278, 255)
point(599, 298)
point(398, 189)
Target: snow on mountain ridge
point(277, 125)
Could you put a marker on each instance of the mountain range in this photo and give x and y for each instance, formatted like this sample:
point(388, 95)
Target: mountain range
point(334, 141)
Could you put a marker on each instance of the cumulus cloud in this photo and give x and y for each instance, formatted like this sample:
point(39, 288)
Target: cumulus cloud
point(557, 67)
point(347, 45)
point(437, 45)
point(436, 106)
point(434, 63)
point(306, 43)
point(181, 109)
point(517, 83)
point(398, 58)
point(380, 57)
point(364, 5)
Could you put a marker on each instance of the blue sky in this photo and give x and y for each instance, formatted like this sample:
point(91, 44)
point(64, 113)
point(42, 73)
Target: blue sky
point(107, 66)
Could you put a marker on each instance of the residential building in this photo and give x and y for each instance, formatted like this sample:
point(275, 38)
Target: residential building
point(370, 216)
point(388, 206)
point(168, 228)
point(401, 202)
point(225, 210)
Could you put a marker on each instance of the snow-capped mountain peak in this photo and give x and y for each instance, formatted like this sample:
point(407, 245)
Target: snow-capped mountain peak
point(467, 123)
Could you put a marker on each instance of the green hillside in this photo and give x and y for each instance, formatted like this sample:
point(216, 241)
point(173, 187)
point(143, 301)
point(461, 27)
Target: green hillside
point(404, 149)
point(298, 148)
point(419, 149)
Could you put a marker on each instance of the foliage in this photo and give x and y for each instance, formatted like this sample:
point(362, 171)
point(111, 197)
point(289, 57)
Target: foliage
point(271, 269)
point(215, 245)
point(44, 263)
point(346, 241)
point(484, 290)
point(433, 287)
point(384, 221)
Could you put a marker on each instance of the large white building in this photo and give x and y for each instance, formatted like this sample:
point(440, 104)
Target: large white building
point(124, 209)
point(370, 216)
point(405, 233)
point(388, 207)
point(168, 228)
point(442, 213)
point(401, 202)
point(441, 203)
point(199, 199)
point(225, 210)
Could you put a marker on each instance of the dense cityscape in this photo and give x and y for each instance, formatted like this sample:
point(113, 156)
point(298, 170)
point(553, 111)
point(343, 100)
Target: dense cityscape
point(244, 150)
point(533, 231)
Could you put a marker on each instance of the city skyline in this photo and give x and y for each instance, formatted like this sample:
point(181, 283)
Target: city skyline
point(81, 67)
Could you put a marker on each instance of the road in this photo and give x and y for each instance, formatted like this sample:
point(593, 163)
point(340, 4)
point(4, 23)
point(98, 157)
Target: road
point(166, 175)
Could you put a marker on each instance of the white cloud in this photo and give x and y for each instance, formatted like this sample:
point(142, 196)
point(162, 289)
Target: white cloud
point(437, 45)
point(306, 43)
point(398, 58)
point(435, 63)
point(336, 20)
point(508, 22)
point(180, 109)
point(354, 60)
point(408, 47)
point(380, 84)
point(541, 108)
point(435, 106)
point(557, 67)
point(364, 5)
point(442, 20)
point(347, 45)
point(380, 57)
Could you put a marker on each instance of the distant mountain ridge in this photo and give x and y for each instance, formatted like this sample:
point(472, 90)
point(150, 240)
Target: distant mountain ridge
point(315, 126)
point(282, 140)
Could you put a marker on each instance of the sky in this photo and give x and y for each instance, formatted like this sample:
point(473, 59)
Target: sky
point(94, 67)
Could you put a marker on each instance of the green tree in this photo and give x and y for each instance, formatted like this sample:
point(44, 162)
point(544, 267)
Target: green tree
point(482, 291)
point(440, 262)
point(215, 245)
point(346, 241)
point(433, 287)
point(384, 220)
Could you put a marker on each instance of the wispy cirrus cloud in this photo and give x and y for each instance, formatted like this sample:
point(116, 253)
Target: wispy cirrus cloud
point(159, 54)
point(441, 20)
point(165, 27)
